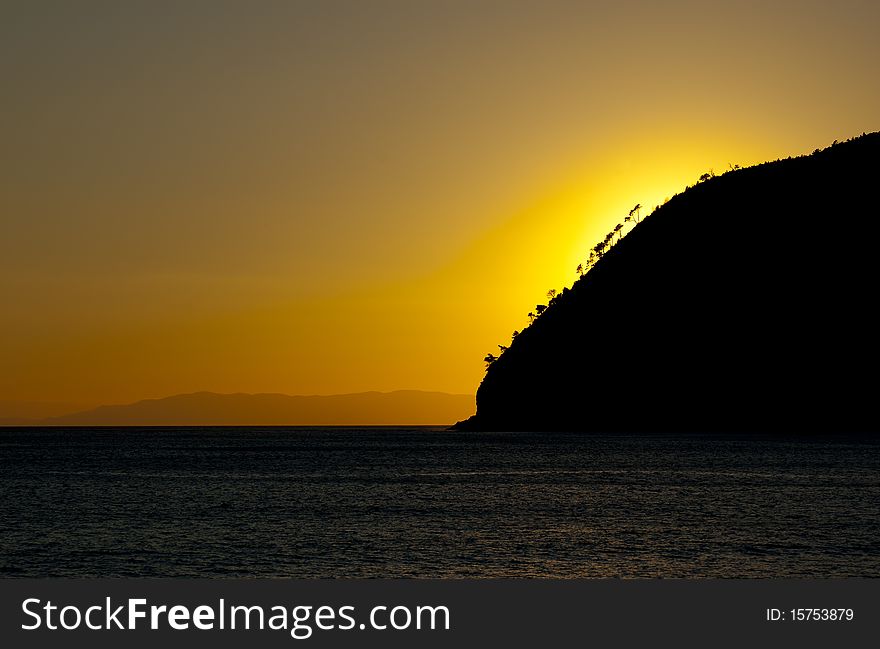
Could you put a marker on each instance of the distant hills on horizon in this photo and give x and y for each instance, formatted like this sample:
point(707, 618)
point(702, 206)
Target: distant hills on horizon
point(400, 407)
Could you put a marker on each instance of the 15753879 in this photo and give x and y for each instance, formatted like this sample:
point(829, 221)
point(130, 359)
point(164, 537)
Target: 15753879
point(810, 615)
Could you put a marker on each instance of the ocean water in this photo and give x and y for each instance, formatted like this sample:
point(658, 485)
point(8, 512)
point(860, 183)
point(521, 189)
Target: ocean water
point(423, 502)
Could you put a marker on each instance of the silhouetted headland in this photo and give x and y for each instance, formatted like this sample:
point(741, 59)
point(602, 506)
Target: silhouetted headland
point(746, 303)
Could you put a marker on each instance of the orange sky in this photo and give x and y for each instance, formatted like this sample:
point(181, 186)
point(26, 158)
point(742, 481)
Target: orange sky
point(331, 197)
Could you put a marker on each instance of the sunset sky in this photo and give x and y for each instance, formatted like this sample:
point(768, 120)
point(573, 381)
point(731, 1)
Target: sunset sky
point(328, 197)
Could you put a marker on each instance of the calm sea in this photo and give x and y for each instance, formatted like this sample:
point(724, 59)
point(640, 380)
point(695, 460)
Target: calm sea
point(423, 502)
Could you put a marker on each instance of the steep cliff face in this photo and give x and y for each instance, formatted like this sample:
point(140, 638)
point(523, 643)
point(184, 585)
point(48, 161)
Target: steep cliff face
point(748, 302)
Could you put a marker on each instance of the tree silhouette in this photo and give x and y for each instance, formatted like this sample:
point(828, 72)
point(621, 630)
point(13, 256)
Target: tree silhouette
point(540, 308)
point(490, 358)
point(551, 293)
point(607, 243)
point(635, 211)
point(531, 317)
point(515, 334)
point(580, 270)
point(503, 348)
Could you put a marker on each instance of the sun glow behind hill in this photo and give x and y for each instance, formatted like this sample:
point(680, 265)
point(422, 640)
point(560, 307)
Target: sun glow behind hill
point(426, 327)
point(508, 270)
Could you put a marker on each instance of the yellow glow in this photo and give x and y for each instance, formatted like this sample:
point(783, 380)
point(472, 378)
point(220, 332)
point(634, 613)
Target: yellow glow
point(426, 329)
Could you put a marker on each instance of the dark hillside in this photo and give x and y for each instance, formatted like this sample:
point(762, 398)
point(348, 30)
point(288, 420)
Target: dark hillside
point(748, 302)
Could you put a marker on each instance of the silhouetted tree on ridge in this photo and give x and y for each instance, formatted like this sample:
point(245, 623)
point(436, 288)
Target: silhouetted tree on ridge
point(635, 211)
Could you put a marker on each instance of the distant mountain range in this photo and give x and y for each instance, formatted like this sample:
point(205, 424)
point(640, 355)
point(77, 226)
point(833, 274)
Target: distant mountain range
point(402, 407)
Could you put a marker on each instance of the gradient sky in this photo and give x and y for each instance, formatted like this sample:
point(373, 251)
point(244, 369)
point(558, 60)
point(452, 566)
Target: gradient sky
point(325, 197)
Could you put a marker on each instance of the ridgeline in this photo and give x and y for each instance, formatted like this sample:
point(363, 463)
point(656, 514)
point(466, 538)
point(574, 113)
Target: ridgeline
point(399, 408)
point(746, 303)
